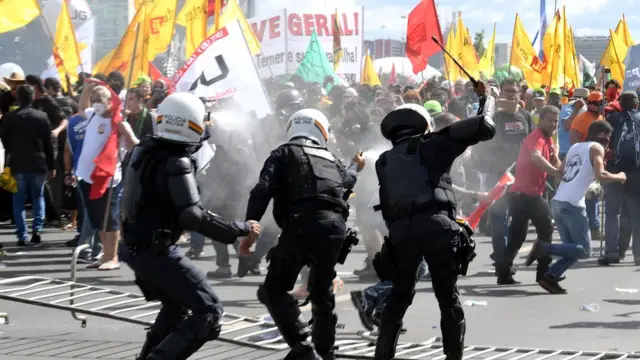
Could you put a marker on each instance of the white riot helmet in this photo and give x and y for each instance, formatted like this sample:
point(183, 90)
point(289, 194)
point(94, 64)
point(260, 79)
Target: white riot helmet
point(181, 118)
point(310, 124)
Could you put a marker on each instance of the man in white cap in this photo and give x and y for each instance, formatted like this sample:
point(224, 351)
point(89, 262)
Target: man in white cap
point(8, 99)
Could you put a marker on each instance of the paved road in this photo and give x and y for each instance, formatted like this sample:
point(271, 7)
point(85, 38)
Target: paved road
point(515, 316)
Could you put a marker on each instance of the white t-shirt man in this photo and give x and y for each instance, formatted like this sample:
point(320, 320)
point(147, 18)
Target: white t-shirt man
point(578, 175)
point(96, 135)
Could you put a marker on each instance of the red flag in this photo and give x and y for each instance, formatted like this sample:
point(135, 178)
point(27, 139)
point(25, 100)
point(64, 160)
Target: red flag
point(422, 24)
point(156, 74)
point(393, 77)
point(496, 193)
point(107, 160)
point(211, 7)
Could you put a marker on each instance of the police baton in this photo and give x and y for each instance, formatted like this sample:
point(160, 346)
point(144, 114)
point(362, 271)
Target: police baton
point(471, 78)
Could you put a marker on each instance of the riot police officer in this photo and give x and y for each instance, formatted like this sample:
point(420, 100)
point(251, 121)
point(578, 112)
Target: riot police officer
point(307, 183)
point(160, 201)
point(288, 101)
point(419, 209)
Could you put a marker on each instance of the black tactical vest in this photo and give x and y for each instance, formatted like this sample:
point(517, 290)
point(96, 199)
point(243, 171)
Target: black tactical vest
point(146, 205)
point(405, 184)
point(315, 177)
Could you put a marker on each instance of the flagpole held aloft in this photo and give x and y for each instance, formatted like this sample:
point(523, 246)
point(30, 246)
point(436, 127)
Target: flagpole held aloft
point(51, 37)
point(124, 107)
point(471, 78)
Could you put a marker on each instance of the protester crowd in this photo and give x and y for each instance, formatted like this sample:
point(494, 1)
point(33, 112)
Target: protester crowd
point(52, 137)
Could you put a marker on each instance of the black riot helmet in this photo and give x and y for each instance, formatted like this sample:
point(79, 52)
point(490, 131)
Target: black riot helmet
point(288, 85)
point(405, 121)
point(288, 102)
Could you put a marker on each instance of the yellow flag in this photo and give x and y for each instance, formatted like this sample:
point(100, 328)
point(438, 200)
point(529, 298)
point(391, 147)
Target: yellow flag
point(156, 20)
point(369, 75)
point(486, 66)
point(571, 63)
point(65, 51)
point(137, 4)
point(553, 45)
point(622, 30)
point(453, 73)
point(466, 55)
point(524, 57)
point(217, 9)
point(193, 17)
point(15, 14)
point(613, 57)
point(233, 12)
point(103, 64)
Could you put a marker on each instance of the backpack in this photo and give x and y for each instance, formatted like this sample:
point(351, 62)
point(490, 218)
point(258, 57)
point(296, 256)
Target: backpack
point(627, 148)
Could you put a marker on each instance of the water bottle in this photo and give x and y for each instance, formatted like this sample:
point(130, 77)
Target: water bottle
point(590, 307)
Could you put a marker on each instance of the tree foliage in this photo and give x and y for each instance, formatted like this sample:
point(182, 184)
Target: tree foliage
point(478, 43)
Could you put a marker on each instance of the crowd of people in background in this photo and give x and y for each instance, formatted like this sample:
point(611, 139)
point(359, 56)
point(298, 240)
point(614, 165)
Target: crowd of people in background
point(51, 142)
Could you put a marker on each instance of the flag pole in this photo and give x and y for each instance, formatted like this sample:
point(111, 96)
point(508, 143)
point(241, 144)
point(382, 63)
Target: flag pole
point(444, 57)
point(512, 43)
point(53, 42)
point(555, 45)
point(613, 46)
point(124, 107)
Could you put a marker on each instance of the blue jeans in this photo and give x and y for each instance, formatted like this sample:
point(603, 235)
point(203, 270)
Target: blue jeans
point(88, 235)
point(573, 226)
point(616, 196)
point(593, 212)
point(499, 222)
point(377, 294)
point(29, 185)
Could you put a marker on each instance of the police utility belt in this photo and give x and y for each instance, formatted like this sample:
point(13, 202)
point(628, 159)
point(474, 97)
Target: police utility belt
point(413, 208)
point(158, 243)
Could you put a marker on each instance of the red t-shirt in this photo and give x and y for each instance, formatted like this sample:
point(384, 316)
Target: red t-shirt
point(529, 178)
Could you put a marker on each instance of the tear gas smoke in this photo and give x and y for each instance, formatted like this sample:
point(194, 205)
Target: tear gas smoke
point(374, 153)
point(236, 164)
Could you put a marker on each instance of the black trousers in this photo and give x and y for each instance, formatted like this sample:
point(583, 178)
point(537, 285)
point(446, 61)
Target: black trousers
point(437, 249)
point(314, 240)
point(181, 288)
point(522, 208)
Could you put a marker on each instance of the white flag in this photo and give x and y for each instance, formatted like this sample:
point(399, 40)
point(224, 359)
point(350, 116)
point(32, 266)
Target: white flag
point(586, 71)
point(222, 67)
point(84, 24)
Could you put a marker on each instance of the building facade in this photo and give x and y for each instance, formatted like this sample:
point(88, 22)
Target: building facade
point(382, 48)
point(502, 54)
point(112, 20)
point(592, 47)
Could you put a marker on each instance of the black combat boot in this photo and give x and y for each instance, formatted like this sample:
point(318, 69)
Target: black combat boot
point(302, 351)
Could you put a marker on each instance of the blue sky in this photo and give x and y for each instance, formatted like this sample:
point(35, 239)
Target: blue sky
point(383, 17)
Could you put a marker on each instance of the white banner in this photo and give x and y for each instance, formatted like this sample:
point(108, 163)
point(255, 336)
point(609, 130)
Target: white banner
point(222, 67)
point(285, 37)
point(84, 25)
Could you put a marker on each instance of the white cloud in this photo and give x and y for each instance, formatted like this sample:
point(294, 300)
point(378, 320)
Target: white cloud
point(581, 7)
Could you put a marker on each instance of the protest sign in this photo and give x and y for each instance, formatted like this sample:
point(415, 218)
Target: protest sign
point(285, 37)
point(222, 67)
point(632, 72)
